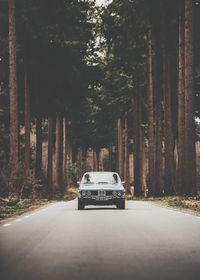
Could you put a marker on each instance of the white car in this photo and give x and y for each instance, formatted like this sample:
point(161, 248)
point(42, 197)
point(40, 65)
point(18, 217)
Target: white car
point(101, 188)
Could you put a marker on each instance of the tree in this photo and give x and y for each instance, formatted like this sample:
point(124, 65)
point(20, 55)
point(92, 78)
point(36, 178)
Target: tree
point(14, 135)
point(169, 182)
point(120, 152)
point(59, 153)
point(66, 152)
point(158, 99)
point(138, 146)
point(38, 160)
point(27, 119)
point(151, 139)
point(181, 104)
point(190, 153)
point(126, 155)
point(50, 154)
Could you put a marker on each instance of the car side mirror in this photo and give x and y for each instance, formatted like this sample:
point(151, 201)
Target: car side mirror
point(123, 182)
point(78, 182)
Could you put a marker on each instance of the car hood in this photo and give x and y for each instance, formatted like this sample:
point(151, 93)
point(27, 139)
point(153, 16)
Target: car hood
point(101, 187)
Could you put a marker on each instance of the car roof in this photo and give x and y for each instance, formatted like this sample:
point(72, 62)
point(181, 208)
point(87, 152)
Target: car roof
point(100, 172)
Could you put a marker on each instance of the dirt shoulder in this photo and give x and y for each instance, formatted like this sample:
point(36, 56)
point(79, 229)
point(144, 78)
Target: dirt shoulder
point(186, 204)
point(12, 207)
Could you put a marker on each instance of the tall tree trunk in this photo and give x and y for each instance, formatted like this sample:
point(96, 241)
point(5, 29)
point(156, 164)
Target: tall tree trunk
point(169, 140)
point(50, 154)
point(120, 148)
point(84, 159)
point(98, 159)
point(38, 167)
point(151, 142)
point(13, 98)
point(158, 117)
point(59, 153)
point(110, 159)
point(94, 161)
point(69, 162)
point(101, 165)
point(190, 172)
point(180, 180)
point(27, 120)
point(79, 164)
point(65, 161)
point(143, 163)
point(126, 157)
point(138, 168)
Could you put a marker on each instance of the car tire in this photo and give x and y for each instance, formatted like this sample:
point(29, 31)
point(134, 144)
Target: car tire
point(121, 205)
point(80, 205)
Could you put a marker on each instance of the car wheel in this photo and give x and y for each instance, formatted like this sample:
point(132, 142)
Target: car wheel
point(80, 205)
point(121, 205)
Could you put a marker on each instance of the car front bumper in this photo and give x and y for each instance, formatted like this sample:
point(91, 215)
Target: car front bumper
point(101, 200)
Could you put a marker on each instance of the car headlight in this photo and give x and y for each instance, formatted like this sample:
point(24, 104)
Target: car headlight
point(119, 193)
point(88, 193)
point(114, 193)
point(83, 193)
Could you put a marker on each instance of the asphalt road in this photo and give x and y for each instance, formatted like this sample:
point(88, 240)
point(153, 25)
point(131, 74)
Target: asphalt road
point(142, 242)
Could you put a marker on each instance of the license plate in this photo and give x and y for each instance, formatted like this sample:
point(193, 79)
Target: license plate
point(101, 198)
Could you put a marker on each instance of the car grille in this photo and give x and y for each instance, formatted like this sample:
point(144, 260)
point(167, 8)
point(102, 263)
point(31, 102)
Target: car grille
point(109, 192)
point(94, 192)
point(101, 193)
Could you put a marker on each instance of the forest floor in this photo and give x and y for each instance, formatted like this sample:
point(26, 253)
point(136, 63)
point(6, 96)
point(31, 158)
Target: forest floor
point(12, 206)
point(184, 203)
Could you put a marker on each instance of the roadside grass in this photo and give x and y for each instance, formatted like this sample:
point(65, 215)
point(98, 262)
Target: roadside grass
point(186, 203)
point(10, 207)
point(13, 206)
point(71, 193)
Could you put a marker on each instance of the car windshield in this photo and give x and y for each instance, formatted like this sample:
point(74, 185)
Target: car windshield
point(100, 178)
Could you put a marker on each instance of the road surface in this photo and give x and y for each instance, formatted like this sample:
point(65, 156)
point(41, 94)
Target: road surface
point(142, 242)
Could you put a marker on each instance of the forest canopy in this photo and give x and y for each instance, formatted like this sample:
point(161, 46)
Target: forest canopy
point(99, 87)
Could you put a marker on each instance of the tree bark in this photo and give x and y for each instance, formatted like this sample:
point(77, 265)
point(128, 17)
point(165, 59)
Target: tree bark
point(13, 98)
point(138, 168)
point(126, 157)
point(38, 167)
point(190, 171)
point(169, 139)
point(65, 161)
point(94, 161)
point(143, 163)
point(180, 180)
point(110, 159)
point(79, 164)
point(27, 120)
point(98, 158)
point(120, 148)
point(158, 187)
point(151, 139)
point(50, 154)
point(59, 153)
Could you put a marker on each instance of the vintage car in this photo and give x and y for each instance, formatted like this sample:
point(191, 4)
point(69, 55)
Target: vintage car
point(101, 188)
